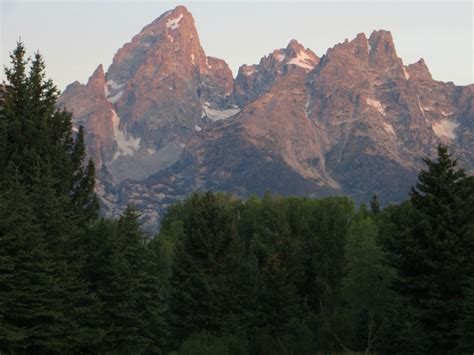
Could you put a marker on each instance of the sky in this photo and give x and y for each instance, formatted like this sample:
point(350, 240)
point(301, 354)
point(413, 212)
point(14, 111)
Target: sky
point(76, 36)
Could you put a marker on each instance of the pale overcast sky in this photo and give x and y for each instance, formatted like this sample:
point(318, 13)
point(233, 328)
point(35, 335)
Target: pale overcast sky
point(76, 36)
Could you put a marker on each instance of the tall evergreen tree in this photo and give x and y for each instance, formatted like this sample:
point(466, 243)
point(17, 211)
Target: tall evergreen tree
point(436, 252)
point(129, 289)
point(198, 299)
point(465, 328)
point(375, 204)
point(31, 318)
point(38, 135)
point(37, 144)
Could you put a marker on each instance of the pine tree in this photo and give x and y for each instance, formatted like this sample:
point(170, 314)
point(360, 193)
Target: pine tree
point(198, 293)
point(465, 328)
point(38, 146)
point(437, 251)
point(133, 308)
point(38, 135)
point(31, 314)
point(66, 250)
point(375, 204)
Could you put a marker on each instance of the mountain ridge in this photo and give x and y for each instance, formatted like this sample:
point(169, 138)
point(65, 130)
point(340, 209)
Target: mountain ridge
point(165, 119)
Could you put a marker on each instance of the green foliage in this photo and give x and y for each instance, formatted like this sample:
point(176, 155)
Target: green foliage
point(401, 331)
point(429, 241)
point(366, 286)
point(127, 285)
point(200, 298)
point(29, 278)
point(465, 328)
point(375, 204)
point(48, 190)
point(205, 344)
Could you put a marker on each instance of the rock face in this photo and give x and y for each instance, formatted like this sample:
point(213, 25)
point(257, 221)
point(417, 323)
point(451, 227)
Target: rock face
point(92, 110)
point(166, 120)
point(254, 80)
point(158, 91)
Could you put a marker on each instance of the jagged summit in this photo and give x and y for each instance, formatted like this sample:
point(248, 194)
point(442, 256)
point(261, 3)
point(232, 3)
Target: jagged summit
point(254, 80)
point(300, 56)
point(419, 70)
point(160, 89)
point(96, 81)
point(165, 119)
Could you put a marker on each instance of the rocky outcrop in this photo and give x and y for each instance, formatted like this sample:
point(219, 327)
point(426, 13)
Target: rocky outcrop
point(92, 110)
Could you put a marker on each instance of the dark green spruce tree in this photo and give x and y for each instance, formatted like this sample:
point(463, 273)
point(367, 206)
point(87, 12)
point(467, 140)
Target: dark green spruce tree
point(31, 318)
point(200, 297)
point(129, 289)
point(436, 254)
point(38, 149)
point(466, 323)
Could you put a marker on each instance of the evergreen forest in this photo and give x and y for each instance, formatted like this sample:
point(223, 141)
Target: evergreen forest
point(224, 275)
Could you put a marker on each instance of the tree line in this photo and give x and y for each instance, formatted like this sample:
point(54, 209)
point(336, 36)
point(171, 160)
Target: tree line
point(270, 275)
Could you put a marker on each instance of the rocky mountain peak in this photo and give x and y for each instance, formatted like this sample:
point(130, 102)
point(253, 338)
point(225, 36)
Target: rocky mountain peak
point(96, 81)
point(172, 37)
point(159, 90)
point(382, 48)
point(293, 48)
point(300, 56)
point(254, 80)
point(419, 70)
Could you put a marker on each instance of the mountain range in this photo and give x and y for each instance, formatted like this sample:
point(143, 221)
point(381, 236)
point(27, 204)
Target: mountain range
point(165, 120)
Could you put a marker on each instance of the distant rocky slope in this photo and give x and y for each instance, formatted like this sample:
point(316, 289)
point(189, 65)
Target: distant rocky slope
point(165, 120)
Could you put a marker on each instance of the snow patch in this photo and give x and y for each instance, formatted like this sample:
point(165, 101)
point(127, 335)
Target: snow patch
point(151, 151)
point(126, 144)
point(114, 85)
point(248, 72)
point(421, 108)
point(217, 115)
point(377, 105)
point(445, 114)
point(197, 128)
point(389, 128)
point(306, 106)
point(445, 128)
point(369, 47)
point(302, 60)
point(280, 57)
point(174, 23)
point(182, 145)
point(109, 88)
point(407, 76)
point(116, 97)
point(192, 58)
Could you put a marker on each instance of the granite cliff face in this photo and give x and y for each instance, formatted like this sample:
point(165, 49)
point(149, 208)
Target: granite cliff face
point(159, 90)
point(166, 120)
